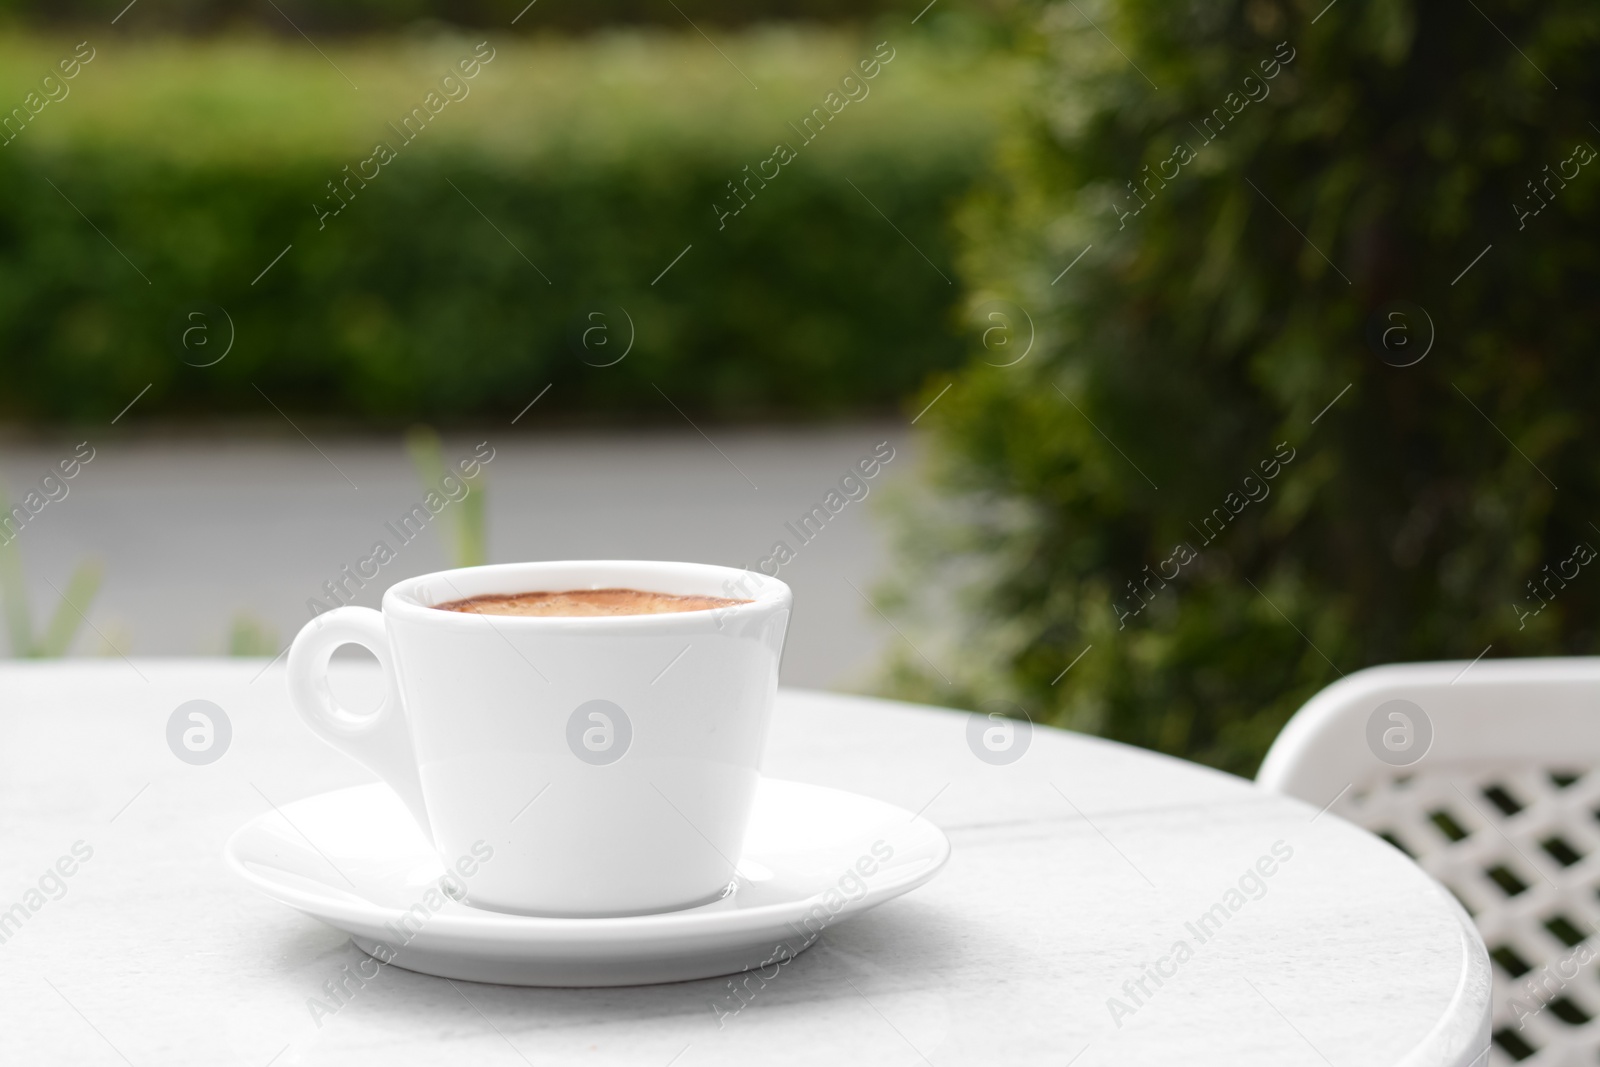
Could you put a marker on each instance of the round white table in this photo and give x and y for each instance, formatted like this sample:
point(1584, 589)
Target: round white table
point(1103, 906)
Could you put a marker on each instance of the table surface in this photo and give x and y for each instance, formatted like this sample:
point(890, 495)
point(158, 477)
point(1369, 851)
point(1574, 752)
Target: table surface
point(1079, 870)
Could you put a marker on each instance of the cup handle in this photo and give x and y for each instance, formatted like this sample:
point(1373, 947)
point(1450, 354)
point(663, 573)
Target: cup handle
point(379, 740)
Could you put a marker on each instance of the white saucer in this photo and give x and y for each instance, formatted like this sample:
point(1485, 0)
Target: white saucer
point(355, 860)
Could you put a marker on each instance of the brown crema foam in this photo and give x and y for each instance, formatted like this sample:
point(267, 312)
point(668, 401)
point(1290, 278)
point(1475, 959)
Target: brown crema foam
point(589, 602)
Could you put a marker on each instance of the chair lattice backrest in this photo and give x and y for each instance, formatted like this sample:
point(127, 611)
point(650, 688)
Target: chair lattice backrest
point(1488, 775)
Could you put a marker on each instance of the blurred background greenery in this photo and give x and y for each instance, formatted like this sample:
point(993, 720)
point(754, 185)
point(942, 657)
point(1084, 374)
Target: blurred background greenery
point(1180, 479)
point(1218, 477)
point(566, 182)
point(355, 17)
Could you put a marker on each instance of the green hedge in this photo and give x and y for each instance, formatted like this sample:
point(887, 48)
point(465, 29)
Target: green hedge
point(1210, 477)
point(368, 16)
point(591, 165)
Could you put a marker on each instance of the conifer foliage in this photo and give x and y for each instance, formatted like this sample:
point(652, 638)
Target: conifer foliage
point(1284, 337)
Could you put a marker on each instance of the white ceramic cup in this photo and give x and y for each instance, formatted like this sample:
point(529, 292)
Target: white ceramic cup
point(610, 761)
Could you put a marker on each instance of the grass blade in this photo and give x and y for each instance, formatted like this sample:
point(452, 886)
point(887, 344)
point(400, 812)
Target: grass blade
point(70, 613)
point(14, 591)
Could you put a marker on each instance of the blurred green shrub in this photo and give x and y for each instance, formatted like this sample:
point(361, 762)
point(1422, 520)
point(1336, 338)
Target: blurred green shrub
point(248, 635)
point(368, 16)
point(467, 539)
point(70, 613)
point(593, 165)
point(1419, 517)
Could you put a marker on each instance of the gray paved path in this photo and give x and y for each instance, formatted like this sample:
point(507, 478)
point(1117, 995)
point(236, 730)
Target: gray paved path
point(193, 531)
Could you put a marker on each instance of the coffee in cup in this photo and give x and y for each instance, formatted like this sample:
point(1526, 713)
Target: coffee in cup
point(587, 602)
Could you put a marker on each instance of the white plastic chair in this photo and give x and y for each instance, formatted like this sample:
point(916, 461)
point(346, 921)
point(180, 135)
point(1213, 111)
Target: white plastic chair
point(1488, 775)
